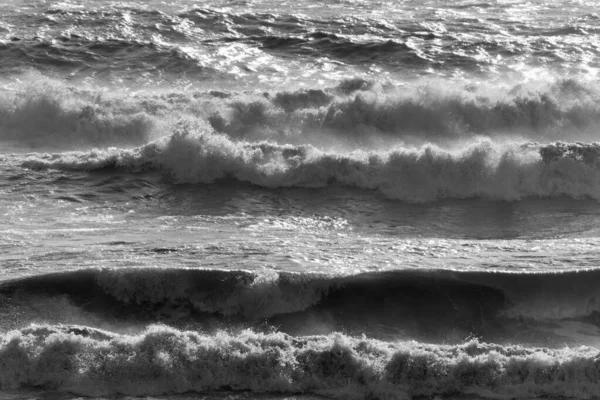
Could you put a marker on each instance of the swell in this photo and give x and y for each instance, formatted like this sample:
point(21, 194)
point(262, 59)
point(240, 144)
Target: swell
point(428, 301)
point(162, 360)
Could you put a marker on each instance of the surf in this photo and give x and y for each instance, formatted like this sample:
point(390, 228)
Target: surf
point(162, 360)
point(428, 305)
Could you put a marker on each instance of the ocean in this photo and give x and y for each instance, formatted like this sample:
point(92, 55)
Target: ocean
point(299, 200)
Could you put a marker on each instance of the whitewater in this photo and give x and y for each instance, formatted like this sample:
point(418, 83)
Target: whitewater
point(299, 199)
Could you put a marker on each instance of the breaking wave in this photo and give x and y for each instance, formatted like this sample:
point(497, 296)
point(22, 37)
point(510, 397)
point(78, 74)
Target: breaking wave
point(480, 169)
point(46, 114)
point(352, 114)
point(415, 144)
point(435, 298)
point(162, 360)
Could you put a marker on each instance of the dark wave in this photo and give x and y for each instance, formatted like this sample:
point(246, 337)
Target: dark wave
point(437, 305)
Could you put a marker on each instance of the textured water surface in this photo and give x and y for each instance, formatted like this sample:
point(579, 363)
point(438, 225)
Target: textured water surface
point(299, 200)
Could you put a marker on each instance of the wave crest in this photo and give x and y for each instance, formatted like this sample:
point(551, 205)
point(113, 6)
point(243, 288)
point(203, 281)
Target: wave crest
point(354, 114)
point(52, 116)
point(480, 169)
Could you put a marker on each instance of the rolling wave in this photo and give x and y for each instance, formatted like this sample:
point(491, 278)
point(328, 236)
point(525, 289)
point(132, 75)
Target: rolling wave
point(162, 360)
point(416, 145)
point(482, 169)
point(44, 113)
point(353, 113)
point(425, 304)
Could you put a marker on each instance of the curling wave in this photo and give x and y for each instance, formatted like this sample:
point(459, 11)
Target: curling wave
point(480, 169)
point(430, 301)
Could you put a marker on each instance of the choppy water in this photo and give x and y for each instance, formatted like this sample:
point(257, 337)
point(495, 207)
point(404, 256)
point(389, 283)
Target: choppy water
point(254, 199)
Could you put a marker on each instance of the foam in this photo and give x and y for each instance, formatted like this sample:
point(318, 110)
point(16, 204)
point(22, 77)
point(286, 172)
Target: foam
point(428, 110)
point(354, 114)
point(44, 113)
point(482, 168)
point(419, 143)
point(162, 360)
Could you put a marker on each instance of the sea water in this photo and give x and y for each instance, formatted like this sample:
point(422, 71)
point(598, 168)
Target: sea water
point(301, 199)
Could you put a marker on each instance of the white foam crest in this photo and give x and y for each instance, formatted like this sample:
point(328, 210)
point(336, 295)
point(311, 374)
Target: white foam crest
point(43, 113)
point(430, 110)
point(163, 360)
point(482, 168)
point(355, 114)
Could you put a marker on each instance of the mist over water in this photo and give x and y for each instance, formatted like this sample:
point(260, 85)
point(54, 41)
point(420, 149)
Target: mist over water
point(256, 199)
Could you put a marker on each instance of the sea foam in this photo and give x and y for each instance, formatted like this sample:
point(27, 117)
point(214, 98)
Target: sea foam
point(163, 360)
point(354, 114)
point(416, 144)
point(44, 113)
point(482, 168)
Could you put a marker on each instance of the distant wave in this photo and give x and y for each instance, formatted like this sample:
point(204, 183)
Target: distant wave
point(109, 58)
point(355, 113)
point(46, 114)
point(163, 360)
point(360, 111)
point(150, 35)
point(419, 144)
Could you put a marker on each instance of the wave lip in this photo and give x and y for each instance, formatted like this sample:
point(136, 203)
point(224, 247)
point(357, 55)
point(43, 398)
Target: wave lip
point(433, 304)
point(164, 360)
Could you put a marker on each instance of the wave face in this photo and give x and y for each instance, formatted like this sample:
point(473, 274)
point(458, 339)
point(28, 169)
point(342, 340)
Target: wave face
point(410, 303)
point(163, 360)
